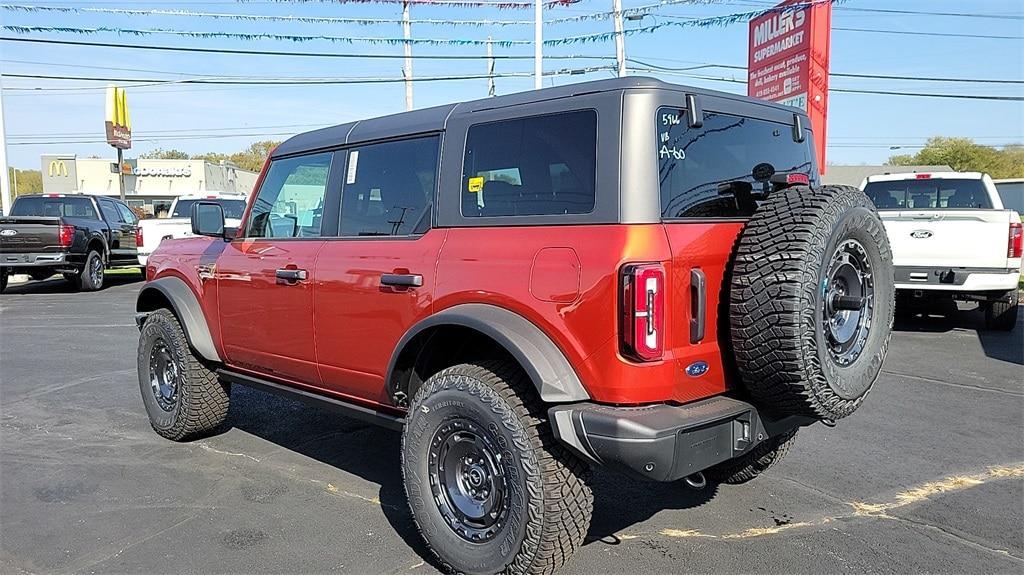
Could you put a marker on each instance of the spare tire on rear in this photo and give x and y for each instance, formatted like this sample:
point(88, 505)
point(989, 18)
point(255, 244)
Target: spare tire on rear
point(811, 301)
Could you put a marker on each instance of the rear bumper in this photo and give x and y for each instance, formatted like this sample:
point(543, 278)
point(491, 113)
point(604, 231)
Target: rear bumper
point(956, 279)
point(36, 260)
point(665, 442)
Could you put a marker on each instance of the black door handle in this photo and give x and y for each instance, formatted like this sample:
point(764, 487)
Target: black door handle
point(403, 280)
point(291, 276)
point(698, 304)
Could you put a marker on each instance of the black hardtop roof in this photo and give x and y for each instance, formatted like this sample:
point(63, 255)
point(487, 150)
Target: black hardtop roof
point(434, 119)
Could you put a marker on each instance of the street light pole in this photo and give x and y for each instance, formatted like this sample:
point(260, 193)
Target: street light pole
point(538, 41)
point(5, 177)
point(620, 41)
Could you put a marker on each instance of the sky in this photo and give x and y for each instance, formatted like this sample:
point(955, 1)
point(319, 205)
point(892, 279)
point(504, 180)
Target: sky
point(54, 116)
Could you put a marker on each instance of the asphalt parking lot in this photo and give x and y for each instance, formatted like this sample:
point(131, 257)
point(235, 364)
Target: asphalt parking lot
point(928, 476)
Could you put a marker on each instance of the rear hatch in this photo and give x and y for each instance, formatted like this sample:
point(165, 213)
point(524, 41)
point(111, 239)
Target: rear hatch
point(941, 222)
point(29, 234)
point(711, 178)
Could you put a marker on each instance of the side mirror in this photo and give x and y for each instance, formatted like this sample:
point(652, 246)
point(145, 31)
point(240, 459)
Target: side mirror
point(208, 219)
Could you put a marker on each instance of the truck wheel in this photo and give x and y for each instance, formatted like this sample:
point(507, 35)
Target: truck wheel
point(3, 279)
point(748, 466)
point(811, 301)
point(40, 275)
point(489, 487)
point(91, 276)
point(183, 397)
point(1002, 315)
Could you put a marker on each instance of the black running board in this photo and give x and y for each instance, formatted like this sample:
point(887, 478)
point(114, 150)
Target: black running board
point(344, 408)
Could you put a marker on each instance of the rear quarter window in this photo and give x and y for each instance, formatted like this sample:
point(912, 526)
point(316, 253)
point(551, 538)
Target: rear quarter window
point(719, 169)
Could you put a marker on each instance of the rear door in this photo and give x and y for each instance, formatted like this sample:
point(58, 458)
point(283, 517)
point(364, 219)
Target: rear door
point(265, 277)
point(710, 178)
point(377, 279)
point(941, 222)
point(122, 234)
point(129, 225)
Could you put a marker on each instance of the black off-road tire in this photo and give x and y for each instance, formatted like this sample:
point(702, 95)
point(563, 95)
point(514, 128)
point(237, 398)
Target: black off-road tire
point(750, 465)
point(40, 275)
point(778, 307)
point(4, 276)
point(88, 281)
point(550, 503)
point(1002, 315)
point(201, 401)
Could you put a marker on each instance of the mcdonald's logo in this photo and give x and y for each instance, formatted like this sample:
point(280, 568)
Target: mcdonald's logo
point(118, 121)
point(57, 168)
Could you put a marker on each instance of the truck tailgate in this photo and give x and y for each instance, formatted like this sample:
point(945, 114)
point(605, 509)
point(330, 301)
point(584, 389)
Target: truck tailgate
point(948, 238)
point(28, 234)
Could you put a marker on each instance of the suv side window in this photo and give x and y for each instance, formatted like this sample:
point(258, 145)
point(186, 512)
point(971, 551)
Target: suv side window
point(542, 165)
point(719, 169)
point(110, 212)
point(290, 201)
point(389, 187)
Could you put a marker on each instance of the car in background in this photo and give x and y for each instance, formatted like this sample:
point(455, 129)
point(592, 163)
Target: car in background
point(179, 225)
point(76, 235)
point(1011, 191)
point(952, 239)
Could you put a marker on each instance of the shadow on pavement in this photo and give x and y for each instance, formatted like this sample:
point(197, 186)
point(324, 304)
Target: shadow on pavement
point(372, 453)
point(1002, 345)
point(57, 284)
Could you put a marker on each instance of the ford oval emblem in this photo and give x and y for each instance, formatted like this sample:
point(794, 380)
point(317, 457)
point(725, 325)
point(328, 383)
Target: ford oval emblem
point(7, 233)
point(920, 234)
point(697, 368)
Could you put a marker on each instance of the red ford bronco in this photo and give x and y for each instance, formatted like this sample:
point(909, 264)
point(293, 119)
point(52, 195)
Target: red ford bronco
point(622, 273)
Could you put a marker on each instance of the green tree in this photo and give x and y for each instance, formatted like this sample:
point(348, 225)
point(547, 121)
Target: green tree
point(28, 181)
point(252, 158)
point(162, 154)
point(964, 155)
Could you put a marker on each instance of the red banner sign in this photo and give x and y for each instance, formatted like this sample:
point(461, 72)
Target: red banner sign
point(788, 61)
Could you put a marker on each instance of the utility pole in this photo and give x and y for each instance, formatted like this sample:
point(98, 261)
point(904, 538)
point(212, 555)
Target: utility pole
point(5, 181)
point(407, 70)
point(538, 41)
point(120, 171)
point(490, 68)
point(620, 41)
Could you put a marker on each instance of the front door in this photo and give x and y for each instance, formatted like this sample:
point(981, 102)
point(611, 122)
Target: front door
point(265, 277)
point(377, 280)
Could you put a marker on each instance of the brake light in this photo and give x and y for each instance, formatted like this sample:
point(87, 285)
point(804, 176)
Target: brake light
point(66, 235)
point(642, 311)
point(1014, 242)
point(138, 236)
point(798, 179)
point(923, 176)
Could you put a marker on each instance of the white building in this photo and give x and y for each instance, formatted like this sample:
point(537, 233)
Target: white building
point(152, 184)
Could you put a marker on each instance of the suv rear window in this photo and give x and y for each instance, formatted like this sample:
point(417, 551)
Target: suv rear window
point(929, 194)
point(53, 207)
point(543, 165)
point(697, 165)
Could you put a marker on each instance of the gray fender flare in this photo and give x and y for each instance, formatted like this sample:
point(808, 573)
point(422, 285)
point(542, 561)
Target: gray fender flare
point(549, 370)
point(186, 307)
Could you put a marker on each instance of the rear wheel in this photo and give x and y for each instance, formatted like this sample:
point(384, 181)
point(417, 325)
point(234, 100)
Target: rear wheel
point(91, 276)
point(812, 301)
point(4, 272)
point(489, 487)
point(1002, 315)
point(40, 275)
point(183, 397)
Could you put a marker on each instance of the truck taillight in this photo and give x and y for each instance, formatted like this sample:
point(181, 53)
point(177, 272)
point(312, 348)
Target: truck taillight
point(1014, 247)
point(642, 310)
point(66, 235)
point(138, 236)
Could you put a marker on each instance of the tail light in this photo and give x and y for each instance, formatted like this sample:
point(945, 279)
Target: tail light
point(642, 311)
point(138, 236)
point(66, 235)
point(1013, 244)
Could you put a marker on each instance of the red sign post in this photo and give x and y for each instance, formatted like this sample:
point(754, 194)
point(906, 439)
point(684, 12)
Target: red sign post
point(788, 61)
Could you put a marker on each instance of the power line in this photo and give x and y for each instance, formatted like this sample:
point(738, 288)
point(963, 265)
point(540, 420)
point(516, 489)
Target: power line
point(922, 13)
point(936, 34)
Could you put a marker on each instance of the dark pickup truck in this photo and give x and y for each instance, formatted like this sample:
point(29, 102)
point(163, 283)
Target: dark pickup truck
point(78, 236)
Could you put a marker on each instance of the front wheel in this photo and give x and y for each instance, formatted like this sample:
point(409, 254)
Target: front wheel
point(489, 487)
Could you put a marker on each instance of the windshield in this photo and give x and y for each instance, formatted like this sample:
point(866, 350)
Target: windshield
point(929, 194)
point(232, 208)
point(69, 207)
point(722, 167)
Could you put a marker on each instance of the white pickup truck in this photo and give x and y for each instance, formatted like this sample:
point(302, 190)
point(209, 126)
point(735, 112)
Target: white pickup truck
point(951, 240)
point(152, 231)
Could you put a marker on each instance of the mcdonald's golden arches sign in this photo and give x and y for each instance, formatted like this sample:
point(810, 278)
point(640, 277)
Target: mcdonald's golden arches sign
point(119, 123)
